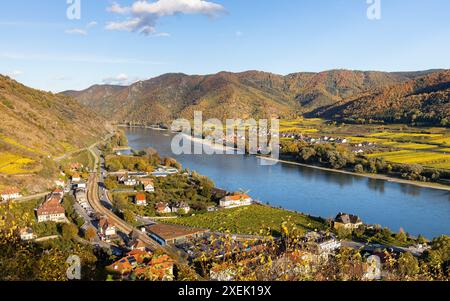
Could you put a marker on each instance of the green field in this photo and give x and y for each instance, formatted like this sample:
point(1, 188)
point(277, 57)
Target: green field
point(251, 220)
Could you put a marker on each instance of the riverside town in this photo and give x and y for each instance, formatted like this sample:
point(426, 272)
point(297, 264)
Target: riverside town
point(212, 148)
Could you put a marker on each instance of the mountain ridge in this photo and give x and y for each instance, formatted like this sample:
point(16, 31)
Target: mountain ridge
point(246, 94)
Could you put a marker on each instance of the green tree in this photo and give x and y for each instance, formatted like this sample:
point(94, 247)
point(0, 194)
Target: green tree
point(408, 265)
point(69, 231)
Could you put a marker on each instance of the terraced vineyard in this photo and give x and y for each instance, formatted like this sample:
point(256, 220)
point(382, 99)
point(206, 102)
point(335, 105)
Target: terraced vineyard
point(250, 220)
point(431, 159)
point(15, 164)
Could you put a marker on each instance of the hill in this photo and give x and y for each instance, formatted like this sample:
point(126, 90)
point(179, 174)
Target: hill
point(38, 126)
point(423, 100)
point(232, 95)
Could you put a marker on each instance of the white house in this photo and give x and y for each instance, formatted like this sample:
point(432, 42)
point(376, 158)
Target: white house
point(10, 194)
point(182, 208)
point(76, 178)
point(130, 182)
point(140, 199)
point(237, 200)
point(51, 211)
point(163, 208)
point(106, 229)
point(27, 234)
point(148, 185)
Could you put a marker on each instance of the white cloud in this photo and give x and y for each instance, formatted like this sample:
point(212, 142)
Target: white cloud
point(15, 73)
point(82, 31)
point(143, 15)
point(239, 34)
point(121, 79)
point(76, 31)
point(91, 24)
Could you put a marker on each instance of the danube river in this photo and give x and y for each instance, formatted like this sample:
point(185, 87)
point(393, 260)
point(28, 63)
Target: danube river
point(315, 192)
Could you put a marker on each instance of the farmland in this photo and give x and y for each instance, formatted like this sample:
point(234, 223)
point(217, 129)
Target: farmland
point(395, 143)
point(250, 220)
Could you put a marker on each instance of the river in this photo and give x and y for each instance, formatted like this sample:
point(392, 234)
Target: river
point(316, 192)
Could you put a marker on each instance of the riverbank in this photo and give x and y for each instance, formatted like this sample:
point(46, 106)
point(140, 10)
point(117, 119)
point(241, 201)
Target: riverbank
point(371, 176)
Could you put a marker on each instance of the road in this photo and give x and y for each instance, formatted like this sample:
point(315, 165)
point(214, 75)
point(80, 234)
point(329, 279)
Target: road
point(95, 202)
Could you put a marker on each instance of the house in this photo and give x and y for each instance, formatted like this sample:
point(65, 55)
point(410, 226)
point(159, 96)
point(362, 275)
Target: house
point(80, 196)
point(75, 166)
point(140, 199)
point(321, 243)
point(170, 234)
point(163, 208)
point(106, 229)
point(76, 178)
point(347, 221)
point(159, 268)
point(181, 207)
point(10, 193)
point(80, 185)
point(137, 244)
point(237, 200)
point(144, 266)
point(148, 184)
point(130, 182)
point(26, 234)
point(58, 192)
point(127, 264)
point(51, 211)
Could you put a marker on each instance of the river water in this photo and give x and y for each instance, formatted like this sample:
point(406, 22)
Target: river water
point(316, 192)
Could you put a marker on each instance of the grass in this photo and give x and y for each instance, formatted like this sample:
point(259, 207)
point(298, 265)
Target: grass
point(251, 220)
point(11, 164)
point(83, 157)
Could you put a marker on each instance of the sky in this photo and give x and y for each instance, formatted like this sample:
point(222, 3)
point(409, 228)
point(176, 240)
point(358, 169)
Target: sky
point(44, 45)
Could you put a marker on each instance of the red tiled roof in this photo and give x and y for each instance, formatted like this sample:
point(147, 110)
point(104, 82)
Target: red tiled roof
point(140, 197)
point(237, 197)
point(10, 190)
point(51, 206)
point(146, 181)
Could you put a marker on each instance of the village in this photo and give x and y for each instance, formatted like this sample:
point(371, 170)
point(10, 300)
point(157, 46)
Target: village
point(147, 244)
point(356, 147)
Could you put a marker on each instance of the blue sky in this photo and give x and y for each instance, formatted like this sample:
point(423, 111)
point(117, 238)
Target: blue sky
point(42, 48)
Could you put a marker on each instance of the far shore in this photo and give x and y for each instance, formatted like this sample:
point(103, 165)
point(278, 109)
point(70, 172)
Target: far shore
point(365, 175)
point(371, 176)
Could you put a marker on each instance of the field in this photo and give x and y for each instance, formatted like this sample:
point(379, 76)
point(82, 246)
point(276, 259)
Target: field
point(437, 160)
point(250, 220)
point(11, 164)
point(407, 145)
